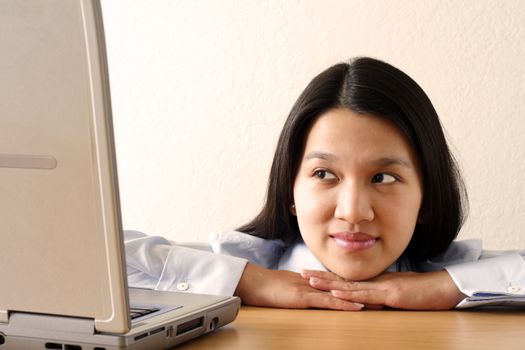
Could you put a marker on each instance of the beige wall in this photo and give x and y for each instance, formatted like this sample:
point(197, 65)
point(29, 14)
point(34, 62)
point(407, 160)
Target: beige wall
point(201, 89)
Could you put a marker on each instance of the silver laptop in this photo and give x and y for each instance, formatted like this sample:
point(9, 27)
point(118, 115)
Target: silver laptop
point(63, 278)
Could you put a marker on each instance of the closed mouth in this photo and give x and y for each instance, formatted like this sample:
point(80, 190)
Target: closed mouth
point(354, 241)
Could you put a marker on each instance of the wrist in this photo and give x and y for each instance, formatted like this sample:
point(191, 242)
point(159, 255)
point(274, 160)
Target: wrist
point(450, 290)
point(250, 283)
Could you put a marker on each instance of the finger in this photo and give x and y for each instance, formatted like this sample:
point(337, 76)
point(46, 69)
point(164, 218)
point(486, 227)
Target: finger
point(307, 274)
point(327, 301)
point(328, 285)
point(375, 297)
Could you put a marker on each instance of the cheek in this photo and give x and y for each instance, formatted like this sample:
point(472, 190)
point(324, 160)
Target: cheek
point(312, 209)
point(400, 220)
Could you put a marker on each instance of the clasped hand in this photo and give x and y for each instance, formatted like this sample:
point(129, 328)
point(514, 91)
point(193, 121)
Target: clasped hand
point(400, 290)
point(319, 289)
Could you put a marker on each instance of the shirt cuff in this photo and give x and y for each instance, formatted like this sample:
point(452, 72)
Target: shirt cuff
point(495, 281)
point(201, 272)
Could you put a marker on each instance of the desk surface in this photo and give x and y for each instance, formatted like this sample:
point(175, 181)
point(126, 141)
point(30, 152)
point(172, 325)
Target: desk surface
point(264, 328)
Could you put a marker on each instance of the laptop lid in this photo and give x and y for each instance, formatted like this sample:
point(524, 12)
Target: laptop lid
point(60, 228)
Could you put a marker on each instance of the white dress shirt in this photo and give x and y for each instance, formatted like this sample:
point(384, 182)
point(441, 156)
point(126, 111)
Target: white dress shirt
point(153, 262)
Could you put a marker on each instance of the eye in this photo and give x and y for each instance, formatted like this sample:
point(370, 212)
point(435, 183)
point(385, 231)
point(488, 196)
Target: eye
point(383, 178)
point(324, 175)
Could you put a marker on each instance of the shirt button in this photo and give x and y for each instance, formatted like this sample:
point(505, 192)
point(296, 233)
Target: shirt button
point(182, 286)
point(513, 289)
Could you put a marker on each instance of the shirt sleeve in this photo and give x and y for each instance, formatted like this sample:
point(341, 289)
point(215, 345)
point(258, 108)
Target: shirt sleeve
point(494, 281)
point(154, 262)
point(485, 277)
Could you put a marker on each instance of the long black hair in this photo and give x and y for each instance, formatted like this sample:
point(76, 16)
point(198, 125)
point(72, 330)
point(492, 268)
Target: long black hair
point(370, 87)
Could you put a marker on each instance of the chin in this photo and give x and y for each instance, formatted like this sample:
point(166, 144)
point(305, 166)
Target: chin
point(357, 275)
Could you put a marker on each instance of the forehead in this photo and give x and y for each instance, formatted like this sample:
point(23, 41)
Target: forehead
point(345, 132)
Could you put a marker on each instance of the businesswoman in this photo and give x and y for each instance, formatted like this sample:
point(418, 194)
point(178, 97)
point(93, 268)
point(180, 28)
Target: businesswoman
point(363, 205)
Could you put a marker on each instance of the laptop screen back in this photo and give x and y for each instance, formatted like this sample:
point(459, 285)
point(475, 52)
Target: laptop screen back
point(60, 229)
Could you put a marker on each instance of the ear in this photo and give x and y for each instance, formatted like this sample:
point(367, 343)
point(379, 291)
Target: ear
point(292, 210)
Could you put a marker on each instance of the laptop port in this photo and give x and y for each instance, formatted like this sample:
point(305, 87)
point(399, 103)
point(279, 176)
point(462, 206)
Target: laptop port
point(53, 346)
point(213, 324)
point(72, 347)
point(142, 336)
point(170, 332)
point(158, 330)
point(190, 325)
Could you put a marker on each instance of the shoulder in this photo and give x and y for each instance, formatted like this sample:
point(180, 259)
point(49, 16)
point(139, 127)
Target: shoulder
point(260, 251)
point(457, 253)
point(461, 251)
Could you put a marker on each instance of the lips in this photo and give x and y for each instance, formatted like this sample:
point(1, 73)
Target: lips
point(354, 241)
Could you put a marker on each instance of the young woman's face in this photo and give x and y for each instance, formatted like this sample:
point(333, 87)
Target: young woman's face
point(357, 193)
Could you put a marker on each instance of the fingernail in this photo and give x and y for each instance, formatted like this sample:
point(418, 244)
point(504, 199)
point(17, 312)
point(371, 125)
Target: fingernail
point(314, 280)
point(359, 305)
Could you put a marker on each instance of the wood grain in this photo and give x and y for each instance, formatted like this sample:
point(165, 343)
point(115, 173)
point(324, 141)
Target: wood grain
point(266, 328)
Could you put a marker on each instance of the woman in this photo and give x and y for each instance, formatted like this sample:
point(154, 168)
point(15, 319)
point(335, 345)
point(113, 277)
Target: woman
point(363, 193)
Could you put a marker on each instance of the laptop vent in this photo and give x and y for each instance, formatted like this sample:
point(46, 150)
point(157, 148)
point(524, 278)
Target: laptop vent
point(63, 346)
point(68, 346)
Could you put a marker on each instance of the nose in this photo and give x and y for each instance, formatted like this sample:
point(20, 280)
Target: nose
point(354, 205)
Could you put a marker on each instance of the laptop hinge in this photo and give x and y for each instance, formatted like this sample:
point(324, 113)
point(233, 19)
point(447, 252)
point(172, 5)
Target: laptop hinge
point(4, 316)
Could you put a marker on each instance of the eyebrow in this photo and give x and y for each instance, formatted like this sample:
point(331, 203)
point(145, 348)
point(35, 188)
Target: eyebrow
point(321, 155)
point(386, 161)
point(383, 161)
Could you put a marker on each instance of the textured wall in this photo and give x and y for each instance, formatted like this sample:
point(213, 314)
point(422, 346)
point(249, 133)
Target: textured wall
point(201, 89)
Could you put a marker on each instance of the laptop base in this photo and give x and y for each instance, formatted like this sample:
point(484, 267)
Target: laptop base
point(31, 331)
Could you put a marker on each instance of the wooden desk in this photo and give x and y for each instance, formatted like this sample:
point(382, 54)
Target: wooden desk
point(264, 328)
